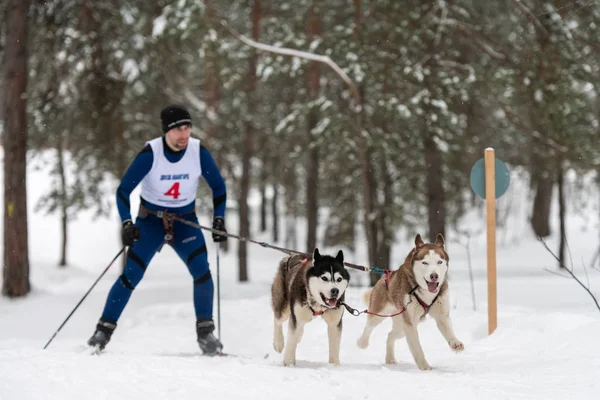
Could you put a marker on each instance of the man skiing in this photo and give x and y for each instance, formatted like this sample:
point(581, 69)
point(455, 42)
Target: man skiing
point(169, 168)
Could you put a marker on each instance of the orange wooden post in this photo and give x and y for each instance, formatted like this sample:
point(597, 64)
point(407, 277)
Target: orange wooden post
point(490, 202)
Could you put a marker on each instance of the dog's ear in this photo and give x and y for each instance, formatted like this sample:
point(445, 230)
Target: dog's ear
point(340, 256)
point(316, 254)
point(439, 240)
point(419, 241)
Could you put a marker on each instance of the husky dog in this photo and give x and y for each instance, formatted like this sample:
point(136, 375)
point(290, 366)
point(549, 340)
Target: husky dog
point(304, 289)
point(418, 287)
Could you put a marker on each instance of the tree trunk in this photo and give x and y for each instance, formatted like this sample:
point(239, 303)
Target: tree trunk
point(212, 84)
point(3, 88)
point(277, 177)
point(540, 218)
point(212, 97)
point(244, 209)
point(290, 208)
point(383, 227)
point(117, 124)
point(365, 159)
point(16, 257)
point(543, 174)
point(263, 198)
point(435, 190)
point(384, 231)
point(64, 203)
point(248, 145)
point(275, 213)
point(312, 173)
point(312, 179)
point(369, 190)
point(561, 213)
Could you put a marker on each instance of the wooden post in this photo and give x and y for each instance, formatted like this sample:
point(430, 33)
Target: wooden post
point(490, 202)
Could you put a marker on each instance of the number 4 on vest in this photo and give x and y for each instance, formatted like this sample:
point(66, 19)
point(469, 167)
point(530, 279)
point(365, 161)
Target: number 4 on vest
point(173, 191)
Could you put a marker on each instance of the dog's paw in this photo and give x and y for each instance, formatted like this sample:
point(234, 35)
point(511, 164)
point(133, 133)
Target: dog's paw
point(278, 346)
point(362, 342)
point(456, 345)
point(424, 366)
point(278, 341)
point(289, 362)
point(334, 361)
point(391, 360)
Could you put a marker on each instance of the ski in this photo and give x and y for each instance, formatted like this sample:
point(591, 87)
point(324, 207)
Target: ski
point(96, 351)
point(89, 350)
point(219, 354)
point(222, 354)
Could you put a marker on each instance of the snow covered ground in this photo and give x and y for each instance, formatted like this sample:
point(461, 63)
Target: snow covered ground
point(546, 346)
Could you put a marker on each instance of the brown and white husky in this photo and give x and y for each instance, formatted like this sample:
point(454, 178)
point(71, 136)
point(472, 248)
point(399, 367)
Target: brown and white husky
point(419, 287)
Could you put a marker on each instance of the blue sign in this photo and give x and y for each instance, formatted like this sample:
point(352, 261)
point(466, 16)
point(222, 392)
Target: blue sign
point(502, 177)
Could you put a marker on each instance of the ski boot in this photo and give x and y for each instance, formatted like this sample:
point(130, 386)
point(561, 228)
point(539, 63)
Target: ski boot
point(101, 337)
point(208, 343)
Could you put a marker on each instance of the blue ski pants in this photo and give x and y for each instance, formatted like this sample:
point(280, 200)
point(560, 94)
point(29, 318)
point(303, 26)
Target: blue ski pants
point(189, 244)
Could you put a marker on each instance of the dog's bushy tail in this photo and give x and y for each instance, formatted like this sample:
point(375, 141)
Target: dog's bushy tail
point(366, 297)
point(279, 293)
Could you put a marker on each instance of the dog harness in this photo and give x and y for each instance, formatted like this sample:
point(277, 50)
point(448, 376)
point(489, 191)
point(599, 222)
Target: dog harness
point(421, 302)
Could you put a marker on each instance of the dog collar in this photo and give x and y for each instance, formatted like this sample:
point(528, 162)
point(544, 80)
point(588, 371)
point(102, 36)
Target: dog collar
point(317, 313)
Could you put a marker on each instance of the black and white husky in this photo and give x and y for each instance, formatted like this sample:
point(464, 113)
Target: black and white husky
point(304, 289)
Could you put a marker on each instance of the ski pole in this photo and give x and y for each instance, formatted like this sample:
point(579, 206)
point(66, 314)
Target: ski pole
point(83, 298)
point(218, 295)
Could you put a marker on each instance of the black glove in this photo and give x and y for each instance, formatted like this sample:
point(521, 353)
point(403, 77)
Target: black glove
point(130, 233)
point(219, 224)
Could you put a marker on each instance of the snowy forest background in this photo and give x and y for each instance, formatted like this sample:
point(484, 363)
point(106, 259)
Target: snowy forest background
point(438, 82)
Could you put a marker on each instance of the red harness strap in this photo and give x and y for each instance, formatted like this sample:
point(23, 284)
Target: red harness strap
point(422, 303)
point(387, 278)
point(413, 292)
point(425, 306)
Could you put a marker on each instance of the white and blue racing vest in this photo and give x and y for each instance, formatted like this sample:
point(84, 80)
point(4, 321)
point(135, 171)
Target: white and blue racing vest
point(172, 184)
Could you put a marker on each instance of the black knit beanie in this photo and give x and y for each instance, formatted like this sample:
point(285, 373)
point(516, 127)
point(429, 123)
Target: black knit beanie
point(173, 116)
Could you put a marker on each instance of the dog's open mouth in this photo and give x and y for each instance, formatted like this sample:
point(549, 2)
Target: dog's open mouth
point(432, 286)
point(332, 302)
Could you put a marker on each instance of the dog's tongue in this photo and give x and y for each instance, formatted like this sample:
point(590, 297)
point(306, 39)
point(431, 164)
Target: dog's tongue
point(331, 302)
point(432, 286)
